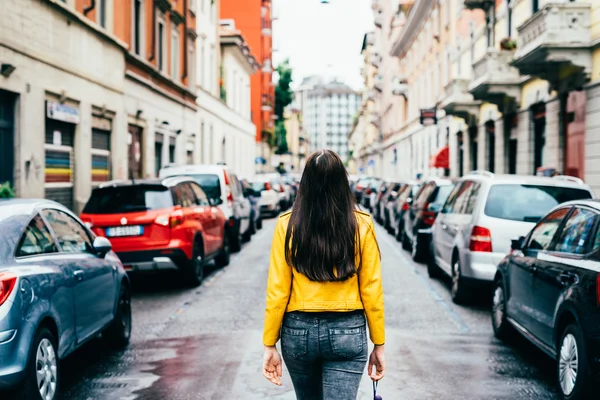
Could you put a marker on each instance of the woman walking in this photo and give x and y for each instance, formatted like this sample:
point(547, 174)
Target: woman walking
point(324, 278)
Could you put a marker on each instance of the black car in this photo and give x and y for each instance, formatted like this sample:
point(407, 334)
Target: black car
point(548, 289)
point(421, 215)
point(377, 214)
point(400, 205)
point(390, 195)
point(255, 212)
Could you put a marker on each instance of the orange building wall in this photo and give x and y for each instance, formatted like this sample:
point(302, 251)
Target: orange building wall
point(248, 19)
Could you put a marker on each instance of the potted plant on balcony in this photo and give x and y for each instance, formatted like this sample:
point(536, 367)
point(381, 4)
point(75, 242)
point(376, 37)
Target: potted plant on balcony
point(508, 44)
point(6, 191)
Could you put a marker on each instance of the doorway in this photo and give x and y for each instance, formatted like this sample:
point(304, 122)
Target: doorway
point(539, 134)
point(574, 133)
point(135, 153)
point(7, 137)
point(510, 142)
point(490, 131)
point(461, 153)
point(473, 144)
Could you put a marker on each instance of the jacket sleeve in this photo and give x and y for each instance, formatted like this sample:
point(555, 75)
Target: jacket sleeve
point(278, 287)
point(371, 288)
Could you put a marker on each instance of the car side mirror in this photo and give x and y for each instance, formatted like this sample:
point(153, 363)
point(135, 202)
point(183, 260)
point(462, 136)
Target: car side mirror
point(102, 246)
point(409, 201)
point(216, 201)
point(517, 244)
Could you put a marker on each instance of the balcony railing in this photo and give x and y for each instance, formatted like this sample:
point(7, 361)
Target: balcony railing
point(478, 4)
point(495, 78)
point(266, 28)
point(458, 101)
point(556, 37)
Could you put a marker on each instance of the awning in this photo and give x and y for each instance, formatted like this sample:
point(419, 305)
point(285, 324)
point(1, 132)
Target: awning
point(441, 159)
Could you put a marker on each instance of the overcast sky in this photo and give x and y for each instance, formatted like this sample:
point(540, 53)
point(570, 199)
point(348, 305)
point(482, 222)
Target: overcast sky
point(322, 39)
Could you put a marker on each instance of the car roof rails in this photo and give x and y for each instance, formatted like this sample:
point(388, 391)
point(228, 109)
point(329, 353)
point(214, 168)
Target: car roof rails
point(482, 172)
point(569, 179)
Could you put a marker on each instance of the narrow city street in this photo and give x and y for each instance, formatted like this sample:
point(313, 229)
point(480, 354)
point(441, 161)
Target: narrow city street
point(205, 343)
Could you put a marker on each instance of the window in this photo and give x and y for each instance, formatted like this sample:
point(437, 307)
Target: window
point(184, 195)
point(102, 13)
point(509, 10)
point(127, 199)
point(201, 197)
point(542, 235)
point(161, 44)
point(138, 27)
point(175, 53)
point(209, 183)
point(201, 71)
point(212, 69)
point(72, 236)
point(202, 149)
point(36, 239)
point(473, 196)
point(574, 237)
point(191, 59)
point(528, 202)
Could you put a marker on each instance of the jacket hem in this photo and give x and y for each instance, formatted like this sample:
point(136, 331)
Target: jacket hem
point(325, 306)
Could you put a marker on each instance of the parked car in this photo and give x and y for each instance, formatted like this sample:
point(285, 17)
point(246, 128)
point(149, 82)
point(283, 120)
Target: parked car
point(359, 187)
point(388, 198)
point(484, 212)
point(370, 193)
point(60, 286)
point(219, 182)
point(284, 192)
point(160, 224)
point(254, 197)
point(377, 212)
point(421, 215)
point(548, 289)
point(400, 205)
point(270, 202)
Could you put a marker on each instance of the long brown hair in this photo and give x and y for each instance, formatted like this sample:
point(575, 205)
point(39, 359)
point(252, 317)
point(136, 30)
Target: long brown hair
point(322, 238)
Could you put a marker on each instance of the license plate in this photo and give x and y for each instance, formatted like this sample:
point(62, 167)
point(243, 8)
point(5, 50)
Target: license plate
point(119, 231)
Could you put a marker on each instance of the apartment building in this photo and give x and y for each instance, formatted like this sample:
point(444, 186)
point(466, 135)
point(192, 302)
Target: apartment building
point(254, 20)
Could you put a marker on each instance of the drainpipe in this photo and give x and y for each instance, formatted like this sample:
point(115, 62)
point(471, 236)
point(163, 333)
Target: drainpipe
point(89, 8)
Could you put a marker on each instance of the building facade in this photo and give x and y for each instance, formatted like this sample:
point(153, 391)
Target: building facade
point(328, 112)
point(254, 20)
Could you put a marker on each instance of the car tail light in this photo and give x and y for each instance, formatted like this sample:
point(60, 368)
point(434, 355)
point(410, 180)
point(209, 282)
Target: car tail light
point(267, 186)
point(176, 218)
point(428, 217)
point(229, 198)
point(7, 284)
point(481, 240)
point(281, 189)
point(405, 207)
point(226, 178)
point(368, 191)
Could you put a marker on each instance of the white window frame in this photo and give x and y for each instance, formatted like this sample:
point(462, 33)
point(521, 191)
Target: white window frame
point(191, 59)
point(174, 56)
point(161, 59)
point(142, 33)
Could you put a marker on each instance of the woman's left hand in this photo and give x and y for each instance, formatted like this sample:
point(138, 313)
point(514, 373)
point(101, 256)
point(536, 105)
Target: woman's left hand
point(272, 367)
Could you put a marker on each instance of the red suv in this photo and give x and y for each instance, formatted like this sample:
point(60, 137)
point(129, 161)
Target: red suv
point(160, 224)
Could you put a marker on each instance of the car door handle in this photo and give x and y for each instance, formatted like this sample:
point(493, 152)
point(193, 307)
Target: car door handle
point(78, 275)
point(567, 278)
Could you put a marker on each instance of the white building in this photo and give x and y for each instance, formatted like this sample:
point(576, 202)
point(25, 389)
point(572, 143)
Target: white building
point(328, 113)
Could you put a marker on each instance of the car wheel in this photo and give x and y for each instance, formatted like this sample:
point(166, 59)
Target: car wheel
point(433, 270)
point(194, 273)
point(502, 328)
point(416, 250)
point(398, 232)
point(248, 234)
point(405, 241)
point(43, 371)
point(235, 242)
point(458, 291)
point(259, 223)
point(222, 259)
point(118, 333)
point(574, 374)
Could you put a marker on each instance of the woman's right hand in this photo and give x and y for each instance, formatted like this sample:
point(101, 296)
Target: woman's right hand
point(376, 368)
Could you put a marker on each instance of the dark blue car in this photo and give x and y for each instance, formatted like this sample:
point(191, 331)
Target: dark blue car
point(60, 286)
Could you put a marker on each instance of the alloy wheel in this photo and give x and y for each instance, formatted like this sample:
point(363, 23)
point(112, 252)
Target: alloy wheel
point(125, 308)
point(568, 364)
point(455, 277)
point(46, 369)
point(497, 306)
point(414, 244)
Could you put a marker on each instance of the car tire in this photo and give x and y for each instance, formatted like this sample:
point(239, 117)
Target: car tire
point(405, 241)
point(43, 353)
point(502, 328)
point(223, 258)
point(433, 270)
point(247, 236)
point(398, 232)
point(235, 241)
point(458, 289)
point(118, 333)
point(417, 253)
point(194, 271)
point(573, 355)
point(259, 223)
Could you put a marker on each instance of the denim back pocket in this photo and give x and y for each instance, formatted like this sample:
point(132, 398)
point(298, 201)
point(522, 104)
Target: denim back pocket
point(348, 342)
point(294, 342)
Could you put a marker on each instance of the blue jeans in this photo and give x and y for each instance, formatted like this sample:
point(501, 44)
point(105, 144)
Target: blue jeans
point(325, 353)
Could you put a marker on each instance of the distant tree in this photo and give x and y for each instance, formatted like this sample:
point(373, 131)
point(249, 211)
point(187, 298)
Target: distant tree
point(283, 98)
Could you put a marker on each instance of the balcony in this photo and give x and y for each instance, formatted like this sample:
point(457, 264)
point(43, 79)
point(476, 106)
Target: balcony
point(478, 4)
point(378, 19)
point(495, 80)
point(267, 104)
point(266, 28)
point(459, 102)
point(378, 85)
point(555, 44)
point(400, 86)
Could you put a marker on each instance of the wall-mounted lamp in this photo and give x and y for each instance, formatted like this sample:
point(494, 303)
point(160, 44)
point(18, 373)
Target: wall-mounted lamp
point(138, 114)
point(178, 131)
point(7, 69)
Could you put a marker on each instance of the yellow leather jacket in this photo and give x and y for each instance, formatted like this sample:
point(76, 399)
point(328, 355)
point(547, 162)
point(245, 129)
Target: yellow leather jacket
point(288, 290)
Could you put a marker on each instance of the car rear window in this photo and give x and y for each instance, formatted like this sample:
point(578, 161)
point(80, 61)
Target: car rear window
point(528, 202)
point(126, 199)
point(258, 186)
point(210, 183)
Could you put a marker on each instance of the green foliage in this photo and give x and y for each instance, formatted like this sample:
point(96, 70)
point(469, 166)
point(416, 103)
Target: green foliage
point(283, 92)
point(6, 191)
point(281, 138)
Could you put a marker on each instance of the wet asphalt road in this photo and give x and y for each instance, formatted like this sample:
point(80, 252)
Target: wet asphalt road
point(205, 343)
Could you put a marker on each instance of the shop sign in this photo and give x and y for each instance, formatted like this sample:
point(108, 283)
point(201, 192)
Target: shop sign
point(62, 112)
point(428, 116)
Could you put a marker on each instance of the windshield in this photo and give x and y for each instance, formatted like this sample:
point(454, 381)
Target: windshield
point(258, 186)
point(210, 183)
point(528, 203)
point(127, 199)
